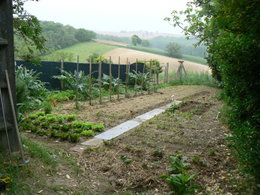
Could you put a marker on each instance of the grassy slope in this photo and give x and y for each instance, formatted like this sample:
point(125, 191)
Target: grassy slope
point(84, 50)
point(163, 53)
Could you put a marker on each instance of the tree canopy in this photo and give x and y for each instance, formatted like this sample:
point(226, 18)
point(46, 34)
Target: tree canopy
point(136, 40)
point(174, 50)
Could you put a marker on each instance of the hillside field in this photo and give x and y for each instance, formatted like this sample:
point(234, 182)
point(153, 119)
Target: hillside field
point(132, 55)
point(107, 49)
point(84, 50)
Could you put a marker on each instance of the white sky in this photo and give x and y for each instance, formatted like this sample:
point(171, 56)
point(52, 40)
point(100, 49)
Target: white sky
point(109, 15)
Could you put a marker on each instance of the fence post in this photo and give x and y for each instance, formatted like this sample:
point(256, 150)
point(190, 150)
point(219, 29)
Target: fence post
point(167, 73)
point(110, 79)
point(99, 80)
point(135, 87)
point(118, 75)
point(150, 74)
point(62, 68)
point(126, 79)
point(77, 63)
point(142, 81)
point(90, 80)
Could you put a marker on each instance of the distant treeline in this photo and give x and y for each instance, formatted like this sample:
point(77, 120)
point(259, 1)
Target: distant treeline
point(187, 46)
point(58, 36)
point(161, 42)
point(114, 38)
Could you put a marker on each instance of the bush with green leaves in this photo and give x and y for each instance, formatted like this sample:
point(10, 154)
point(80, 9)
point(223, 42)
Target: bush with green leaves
point(30, 91)
point(79, 83)
point(115, 83)
point(64, 127)
point(140, 80)
point(230, 30)
point(179, 181)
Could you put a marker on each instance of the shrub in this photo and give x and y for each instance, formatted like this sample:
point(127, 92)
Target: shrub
point(30, 91)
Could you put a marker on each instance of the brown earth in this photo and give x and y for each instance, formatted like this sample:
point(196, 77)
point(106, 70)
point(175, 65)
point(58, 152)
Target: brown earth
point(194, 130)
point(132, 55)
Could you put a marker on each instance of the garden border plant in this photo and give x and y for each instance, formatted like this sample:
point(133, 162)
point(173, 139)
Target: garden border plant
point(64, 127)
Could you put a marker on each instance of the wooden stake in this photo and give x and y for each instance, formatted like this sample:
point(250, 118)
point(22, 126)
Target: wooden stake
point(142, 82)
point(99, 80)
point(136, 78)
point(14, 115)
point(90, 80)
point(110, 79)
point(167, 73)
point(150, 72)
point(126, 79)
point(62, 68)
point(118, 75)
point(77, 63)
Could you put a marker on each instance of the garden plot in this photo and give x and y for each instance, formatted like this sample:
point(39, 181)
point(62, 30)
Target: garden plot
point(113, 113)
point(133, 162)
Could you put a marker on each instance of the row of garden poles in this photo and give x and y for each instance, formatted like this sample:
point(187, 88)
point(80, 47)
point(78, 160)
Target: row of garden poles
point(14, 118)
point(110, 78)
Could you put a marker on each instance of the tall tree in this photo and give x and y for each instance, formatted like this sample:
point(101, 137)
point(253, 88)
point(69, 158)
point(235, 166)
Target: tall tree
point(136, 40)
point(27, 27)
point(83, 35)
point(174, 50)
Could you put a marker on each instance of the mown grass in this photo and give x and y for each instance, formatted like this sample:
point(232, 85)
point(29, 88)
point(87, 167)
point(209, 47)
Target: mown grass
point(43, 162)
point(191, 78)
point(84, 50)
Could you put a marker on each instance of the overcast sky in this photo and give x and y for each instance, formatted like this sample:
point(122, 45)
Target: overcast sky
point(109, 15)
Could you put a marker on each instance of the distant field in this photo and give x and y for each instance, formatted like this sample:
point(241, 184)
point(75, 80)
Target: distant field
point(84, 50)
point(111, 43)
point(163, 53)
point(194, 59)
point(132, 55)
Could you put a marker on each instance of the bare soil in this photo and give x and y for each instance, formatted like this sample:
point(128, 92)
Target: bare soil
point(194, 130)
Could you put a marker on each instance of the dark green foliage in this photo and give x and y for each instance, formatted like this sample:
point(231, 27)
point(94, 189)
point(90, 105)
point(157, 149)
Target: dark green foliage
point(79, 83)
point(28, 30)
point(74, 137)
point(179, 181)
point(231, 32)
point(136, 40)
point(174, 50)
point(64, 127)
point(83, 35)
point(30, 91)
point(116, 83)
point(180, 184)
point(178, 164)
point(142, 80)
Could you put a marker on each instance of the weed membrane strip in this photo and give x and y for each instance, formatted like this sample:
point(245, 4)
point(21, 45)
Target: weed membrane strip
point(123, 127)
